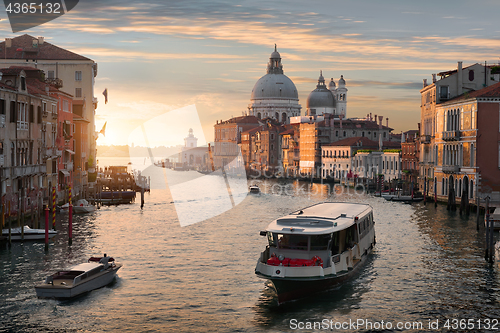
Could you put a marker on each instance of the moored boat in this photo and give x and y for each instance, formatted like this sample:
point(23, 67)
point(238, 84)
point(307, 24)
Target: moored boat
point(405, 198)
point(29, 234)
point(316, 248)
point(96, 273)
point(494, 218)
point(82, 206)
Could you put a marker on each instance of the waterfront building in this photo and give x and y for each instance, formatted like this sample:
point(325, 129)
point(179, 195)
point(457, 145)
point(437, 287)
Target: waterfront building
point(361, 158)
point(193, 156)
point(274, 94)
point(290, 150)
point(410, 153)
point(327, 129)
point(467, 143)
point(227, 139)
point(451, 84)
point(28, 154)
point(73, 74)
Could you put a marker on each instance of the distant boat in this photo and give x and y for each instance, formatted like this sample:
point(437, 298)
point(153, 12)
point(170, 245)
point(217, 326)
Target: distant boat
point(29, 234)
point(403, 198)
point(254, 189)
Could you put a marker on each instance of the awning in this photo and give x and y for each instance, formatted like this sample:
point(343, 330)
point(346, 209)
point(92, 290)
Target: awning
point(65, 173)
point(70, 151)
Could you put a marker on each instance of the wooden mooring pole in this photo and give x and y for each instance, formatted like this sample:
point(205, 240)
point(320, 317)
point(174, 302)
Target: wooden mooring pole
point(70, 218)
point(489, 233)
point(143, 184)
point(54, 207)
point(46, 228)
point(10, 225)
point(478, 209)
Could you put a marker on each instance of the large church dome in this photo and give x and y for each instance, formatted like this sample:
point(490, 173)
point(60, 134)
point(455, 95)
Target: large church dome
point(274, 95)
point(274, 86)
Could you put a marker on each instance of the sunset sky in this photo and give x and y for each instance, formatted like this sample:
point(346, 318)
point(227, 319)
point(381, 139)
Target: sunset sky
point(158, 56)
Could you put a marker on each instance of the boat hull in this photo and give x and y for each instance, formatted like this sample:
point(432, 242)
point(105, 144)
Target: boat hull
point(29, 234)
point(83, 209)
point(66, 292)
point(292, 289)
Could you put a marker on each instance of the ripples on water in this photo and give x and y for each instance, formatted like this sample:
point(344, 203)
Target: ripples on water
point(427, 264)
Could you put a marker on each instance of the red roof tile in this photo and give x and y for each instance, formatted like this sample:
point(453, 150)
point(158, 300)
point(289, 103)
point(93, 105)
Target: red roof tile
point(491, 91)
point(44, 51)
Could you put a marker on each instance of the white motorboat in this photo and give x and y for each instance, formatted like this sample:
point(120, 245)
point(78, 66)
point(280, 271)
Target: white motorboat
point(96, 273)
point(254, 189)
point(29, 234)
point(494, 218)
point(82, 206)
point(316, 248)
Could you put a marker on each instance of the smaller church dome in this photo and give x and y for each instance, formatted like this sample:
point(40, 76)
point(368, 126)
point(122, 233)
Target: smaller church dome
point(320, 97)
point(332, 85)
point(341, 81)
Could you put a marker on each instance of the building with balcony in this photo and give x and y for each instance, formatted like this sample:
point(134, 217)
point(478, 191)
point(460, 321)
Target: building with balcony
point(23, 141)
point(441, 124)
point(73, 74)
point(410, 153)
point(467, 145)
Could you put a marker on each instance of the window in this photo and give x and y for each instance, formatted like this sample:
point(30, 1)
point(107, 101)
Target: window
point(471, 75)
point(2, 106)
point(23, 83)
point(78, 92)
point(50, 75)
point(32, 113)
point(78, 75)
point(443, 92)
point(13, 114)
point(66, 106)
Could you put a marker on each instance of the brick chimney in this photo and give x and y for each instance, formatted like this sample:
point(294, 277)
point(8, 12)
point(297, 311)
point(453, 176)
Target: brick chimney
point(459, 78)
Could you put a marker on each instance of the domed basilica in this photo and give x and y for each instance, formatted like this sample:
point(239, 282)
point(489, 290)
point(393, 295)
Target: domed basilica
point(275, 95)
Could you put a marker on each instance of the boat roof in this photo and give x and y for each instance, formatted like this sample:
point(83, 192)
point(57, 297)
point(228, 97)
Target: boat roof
point(496, 214)
point(321, 218)
point(87, 266)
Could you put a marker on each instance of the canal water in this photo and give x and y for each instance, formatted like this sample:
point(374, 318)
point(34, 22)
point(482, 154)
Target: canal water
point(427, 266)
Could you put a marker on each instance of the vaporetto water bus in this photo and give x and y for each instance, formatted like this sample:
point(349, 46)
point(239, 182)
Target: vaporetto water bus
point(316, 248)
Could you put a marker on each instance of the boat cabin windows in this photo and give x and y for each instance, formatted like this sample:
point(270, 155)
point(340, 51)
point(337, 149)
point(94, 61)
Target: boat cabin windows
point(364, 225)
point(287, 241)
point(335, 244)
point(292, 242)
point(320, 242)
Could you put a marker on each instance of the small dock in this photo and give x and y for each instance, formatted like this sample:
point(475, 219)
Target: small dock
point(116, 186)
